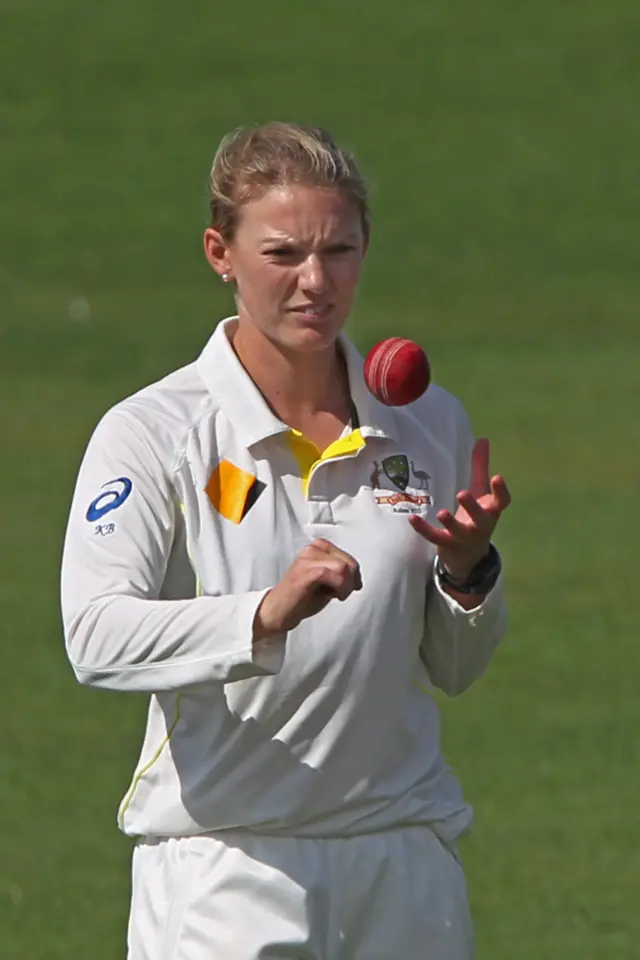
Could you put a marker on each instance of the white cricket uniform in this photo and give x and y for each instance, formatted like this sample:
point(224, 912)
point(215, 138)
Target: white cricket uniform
point(192, 500)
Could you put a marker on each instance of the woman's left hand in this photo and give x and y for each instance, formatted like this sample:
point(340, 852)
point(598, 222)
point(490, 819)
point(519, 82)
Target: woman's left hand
point(466, 537)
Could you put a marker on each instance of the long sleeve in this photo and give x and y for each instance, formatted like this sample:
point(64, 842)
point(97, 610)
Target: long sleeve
point(457, 644)
point(118, 633)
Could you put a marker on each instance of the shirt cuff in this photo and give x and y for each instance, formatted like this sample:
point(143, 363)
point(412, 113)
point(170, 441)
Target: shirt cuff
point(264, 658)
point(487, 603)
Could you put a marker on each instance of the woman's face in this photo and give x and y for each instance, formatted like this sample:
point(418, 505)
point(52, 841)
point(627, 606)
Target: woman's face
point(296, 259)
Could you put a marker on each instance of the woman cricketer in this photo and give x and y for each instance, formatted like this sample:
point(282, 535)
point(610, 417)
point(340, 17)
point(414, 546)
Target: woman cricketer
point(289, 569)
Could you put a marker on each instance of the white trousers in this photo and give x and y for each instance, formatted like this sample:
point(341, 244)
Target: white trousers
point(399, 895)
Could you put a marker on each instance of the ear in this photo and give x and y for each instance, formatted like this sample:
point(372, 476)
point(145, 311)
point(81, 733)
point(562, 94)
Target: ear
point(216, 250)
point(366, 236)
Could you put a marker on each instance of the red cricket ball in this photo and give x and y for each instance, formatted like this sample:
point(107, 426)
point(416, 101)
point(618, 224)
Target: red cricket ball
point(397, 371)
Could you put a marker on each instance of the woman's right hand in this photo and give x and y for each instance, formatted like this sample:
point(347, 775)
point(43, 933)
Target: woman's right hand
point(320, 573)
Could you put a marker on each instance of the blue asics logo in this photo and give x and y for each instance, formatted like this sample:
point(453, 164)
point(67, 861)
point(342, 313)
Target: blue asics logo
point(111, 499)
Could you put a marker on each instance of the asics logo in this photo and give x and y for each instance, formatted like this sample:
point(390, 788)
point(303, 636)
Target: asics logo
point(112, 498)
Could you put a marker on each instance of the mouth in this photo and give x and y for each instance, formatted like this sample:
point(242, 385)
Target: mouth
point(312, 311)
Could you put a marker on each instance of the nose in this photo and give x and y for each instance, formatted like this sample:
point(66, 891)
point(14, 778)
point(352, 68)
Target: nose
point(312, 274)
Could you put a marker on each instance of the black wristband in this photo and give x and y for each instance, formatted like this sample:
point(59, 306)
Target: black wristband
point(480, 581)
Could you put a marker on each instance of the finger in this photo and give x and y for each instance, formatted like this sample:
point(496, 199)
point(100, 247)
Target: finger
point(351, 576)
point(321, 544)
point(307, 571)
point(500, 491)
point(315, 547)
point(340, 583)
point(435, 535)
point(330, 549)
point(480, 517)
point(457, 530)
point(480, 468)
point(337, 573)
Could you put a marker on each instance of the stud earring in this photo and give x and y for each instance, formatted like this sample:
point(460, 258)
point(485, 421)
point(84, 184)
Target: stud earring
point(225, 278)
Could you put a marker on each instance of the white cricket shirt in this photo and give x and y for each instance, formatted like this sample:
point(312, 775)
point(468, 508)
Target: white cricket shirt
point(191, 502)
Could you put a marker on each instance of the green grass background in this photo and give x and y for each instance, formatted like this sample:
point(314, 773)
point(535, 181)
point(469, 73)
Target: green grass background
point(502, 142)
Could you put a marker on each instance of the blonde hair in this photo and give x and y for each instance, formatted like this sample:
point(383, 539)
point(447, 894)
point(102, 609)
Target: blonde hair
point(249, 160)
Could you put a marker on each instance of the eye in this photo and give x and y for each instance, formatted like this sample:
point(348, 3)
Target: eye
point(337, 248)
point(282, 253)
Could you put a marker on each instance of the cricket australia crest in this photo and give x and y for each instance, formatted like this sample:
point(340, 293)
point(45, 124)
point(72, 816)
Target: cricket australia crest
point(399, 470)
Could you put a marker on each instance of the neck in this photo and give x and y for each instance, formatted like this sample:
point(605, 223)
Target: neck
point(297, 386)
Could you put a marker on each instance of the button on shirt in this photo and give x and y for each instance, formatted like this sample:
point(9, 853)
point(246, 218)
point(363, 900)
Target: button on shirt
point(191, 502)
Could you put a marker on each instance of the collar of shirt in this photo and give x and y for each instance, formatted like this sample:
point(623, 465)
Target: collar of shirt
point(228, 381)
